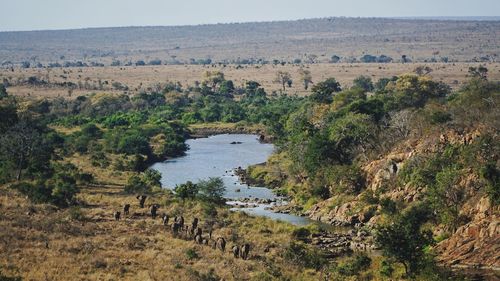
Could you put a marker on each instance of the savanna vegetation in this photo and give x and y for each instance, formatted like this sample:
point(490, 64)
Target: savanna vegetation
point(77, 161)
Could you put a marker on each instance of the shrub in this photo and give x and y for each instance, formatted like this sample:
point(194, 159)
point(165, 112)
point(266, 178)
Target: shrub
point(386, 268)
point(191, 254)
point(298, 254)
point(405, 240)
point(211, 190)
point(355, 266)
point(75, 213)
point(187, 190)
point(491, 174)
point(301, 233)
point(388, 206)
point(440, 117)
point(323, 91)
point(59, 190)
point(136, 184)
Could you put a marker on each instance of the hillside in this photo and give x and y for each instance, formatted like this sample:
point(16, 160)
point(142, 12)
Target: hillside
point(311, 39)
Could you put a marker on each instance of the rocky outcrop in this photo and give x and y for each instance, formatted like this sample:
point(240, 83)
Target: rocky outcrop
point(342, 215)
point(334, 244)
point(477, 243)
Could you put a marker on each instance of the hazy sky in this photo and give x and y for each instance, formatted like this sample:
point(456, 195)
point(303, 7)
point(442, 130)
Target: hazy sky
point(64, 14)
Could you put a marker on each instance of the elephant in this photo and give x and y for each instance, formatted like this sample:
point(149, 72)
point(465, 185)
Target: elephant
point(194, 224)
point(236, 251)
point(117, 216)
point(198, 239)
point(153, 210)
point(126, 209)
point(198, 231)
point(142, 200)
point(221, 244)
point(165, 219)
point(245, 249)
point(175, 228)
point(180, 221)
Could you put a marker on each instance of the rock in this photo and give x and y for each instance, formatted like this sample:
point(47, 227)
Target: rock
point(477, 243)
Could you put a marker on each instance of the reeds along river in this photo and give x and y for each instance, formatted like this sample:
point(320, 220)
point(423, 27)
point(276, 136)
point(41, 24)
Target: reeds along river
point(218, 156)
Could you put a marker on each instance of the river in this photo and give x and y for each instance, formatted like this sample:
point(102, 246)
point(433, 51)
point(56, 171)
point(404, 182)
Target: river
point(218, 156)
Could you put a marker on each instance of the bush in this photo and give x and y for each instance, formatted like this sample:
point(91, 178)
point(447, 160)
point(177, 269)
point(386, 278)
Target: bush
point(59, 190)
point(187, 190)
point(355, 266)
point(75, 213)
point(323, 91)
point(211, 190)
point(491, 174)
point(440, 117)
point(405, 241)
point(298, 254)
point(386, 268)
point(143, 183)
point(301, 233)
point(388, 206)
point(191, 254)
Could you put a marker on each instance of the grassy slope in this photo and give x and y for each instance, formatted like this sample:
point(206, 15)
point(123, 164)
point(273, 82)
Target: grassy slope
point(87, 244)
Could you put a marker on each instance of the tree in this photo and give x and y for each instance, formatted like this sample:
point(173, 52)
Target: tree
point(22, 147)
point(422, 70)
point(323, 91)
point(187, 190)
point(8, 117)
point(305, 77)
point(368, 59)
point(213, 79)
point(334, 59)
point(352, 131)
point(480, 72)
point(3, 91)
point(282, 78)
point(404, 240)
point(414, 91)
point(364, 82)
point(152, 177)
point(226, 88)
point(211, 190)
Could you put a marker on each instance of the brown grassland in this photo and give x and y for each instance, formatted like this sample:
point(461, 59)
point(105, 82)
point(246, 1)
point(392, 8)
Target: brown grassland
point(149, 78)
point(40, 242)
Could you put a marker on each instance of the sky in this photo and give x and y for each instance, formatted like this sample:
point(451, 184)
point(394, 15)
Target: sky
point(67, 14)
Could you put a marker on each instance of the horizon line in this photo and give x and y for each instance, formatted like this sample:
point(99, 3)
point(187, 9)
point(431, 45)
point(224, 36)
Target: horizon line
point(437, 18)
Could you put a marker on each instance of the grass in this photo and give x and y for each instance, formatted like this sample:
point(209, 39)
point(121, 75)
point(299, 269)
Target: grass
point(147, 78)
point(86, 243)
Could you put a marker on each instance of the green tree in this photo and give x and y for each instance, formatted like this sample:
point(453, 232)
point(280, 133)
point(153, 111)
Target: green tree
point(349, 133)
point(364, 82)
point(405, 239)
point(211, 190)
point(3, 91)
point(152, 177)
point(323, 91)
point(23, 147)
point(187, 190)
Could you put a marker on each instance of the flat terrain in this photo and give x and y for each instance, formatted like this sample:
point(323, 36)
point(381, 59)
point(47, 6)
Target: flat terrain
point(312, 39)
point(146, 78)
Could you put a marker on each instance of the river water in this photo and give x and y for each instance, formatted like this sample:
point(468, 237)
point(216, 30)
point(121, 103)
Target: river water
point(218, 156)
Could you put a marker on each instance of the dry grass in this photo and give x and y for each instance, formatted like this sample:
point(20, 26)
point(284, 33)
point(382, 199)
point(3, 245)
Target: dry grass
point(148, 77)
point(85, 243)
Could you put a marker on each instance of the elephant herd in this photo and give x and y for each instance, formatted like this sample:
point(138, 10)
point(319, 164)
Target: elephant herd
point(186, 231)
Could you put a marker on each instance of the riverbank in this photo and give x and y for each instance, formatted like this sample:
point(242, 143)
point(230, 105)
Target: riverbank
point(204, 130)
